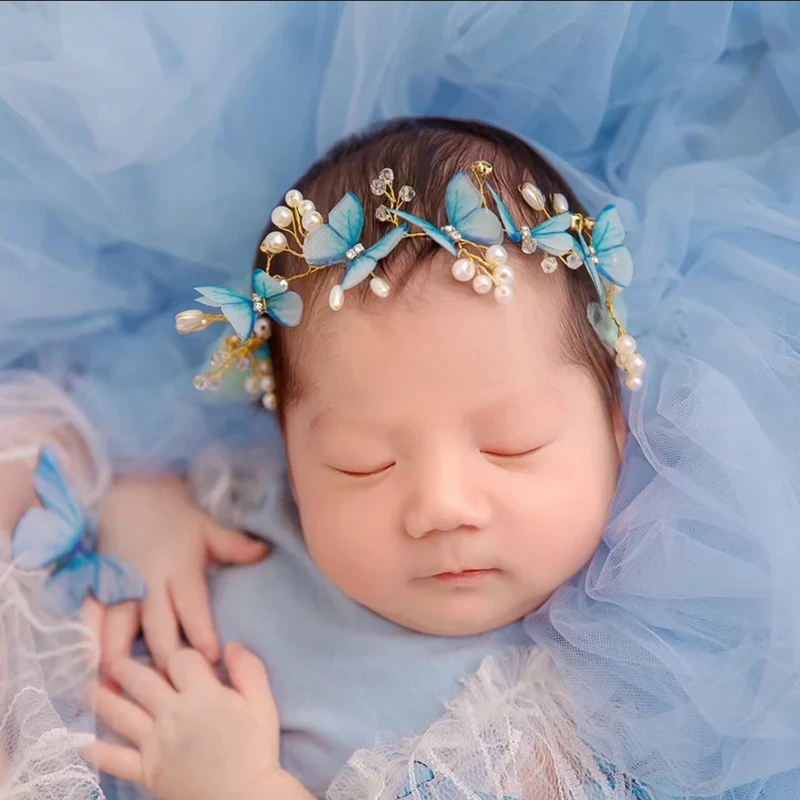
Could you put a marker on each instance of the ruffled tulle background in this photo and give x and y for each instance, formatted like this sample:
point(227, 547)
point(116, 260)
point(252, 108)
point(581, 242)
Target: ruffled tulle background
point(142, 146)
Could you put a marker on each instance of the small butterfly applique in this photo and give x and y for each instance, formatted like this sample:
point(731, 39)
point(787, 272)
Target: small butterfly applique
point(58, 537)
point(606, 255)
point(421, 784)
point(467, 217)
point(417, 782)
point(338, 241)
point(269, 296)
point(550, 236)
point(633, 788)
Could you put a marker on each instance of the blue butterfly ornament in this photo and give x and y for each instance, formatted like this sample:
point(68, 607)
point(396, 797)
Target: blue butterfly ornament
point(550, 236)
point(269, 296)
point(338, 241)
point(467, 217)
point(605, 255)
point(59, 538)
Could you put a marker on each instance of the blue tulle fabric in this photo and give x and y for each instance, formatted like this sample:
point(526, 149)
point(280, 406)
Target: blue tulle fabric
point(142, 146)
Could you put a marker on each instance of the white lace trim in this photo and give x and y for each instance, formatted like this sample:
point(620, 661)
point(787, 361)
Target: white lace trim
point(510, 734)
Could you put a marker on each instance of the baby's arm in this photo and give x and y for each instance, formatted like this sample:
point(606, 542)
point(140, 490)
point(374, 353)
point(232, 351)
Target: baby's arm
point(192, 736)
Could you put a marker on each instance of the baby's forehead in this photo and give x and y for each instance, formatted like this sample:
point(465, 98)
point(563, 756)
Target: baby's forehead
point(432, 329)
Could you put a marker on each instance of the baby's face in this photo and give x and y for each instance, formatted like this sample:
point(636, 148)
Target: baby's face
point(450, 472)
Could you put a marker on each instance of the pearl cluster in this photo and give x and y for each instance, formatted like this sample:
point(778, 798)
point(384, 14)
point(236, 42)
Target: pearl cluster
point(631, 361)
point(499, 279)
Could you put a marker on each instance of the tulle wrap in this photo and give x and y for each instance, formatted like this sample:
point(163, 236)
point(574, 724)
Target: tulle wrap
point(144, 144)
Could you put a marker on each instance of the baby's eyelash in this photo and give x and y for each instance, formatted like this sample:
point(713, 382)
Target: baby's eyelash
point(365, 474)
point(513, 454)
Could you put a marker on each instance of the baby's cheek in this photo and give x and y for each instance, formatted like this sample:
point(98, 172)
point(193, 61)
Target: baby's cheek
point(349, 553)
point(559, 533)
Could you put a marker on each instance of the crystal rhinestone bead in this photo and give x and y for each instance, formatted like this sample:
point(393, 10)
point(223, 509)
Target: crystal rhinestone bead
point(451, 233)
point(387, 175)
point(549, 264)
point(354, 252)
point(407, 193)
point(378, 187)
point(383, 214)
point(574, 260)
point(529, 245)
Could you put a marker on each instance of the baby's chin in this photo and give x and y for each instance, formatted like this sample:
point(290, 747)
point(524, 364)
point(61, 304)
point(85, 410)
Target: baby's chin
point(460, 616)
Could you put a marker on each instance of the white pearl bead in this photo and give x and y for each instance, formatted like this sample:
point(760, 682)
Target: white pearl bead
point(305, 207)
point(293, 198)
point(379, 287)
point(621, 361)
point(503, 293)
point(634, 382)
point(504, 274)
point(266, 384)
point(625, 345)
point(560, 204)
point(251, 384)
point(336, 297)
point(281, 217)
point(533, 196)
point(269, 401)
point(635, 364)
point(496, 255)
point(276, 242)
point(190, 321)
point(311, 220)
point(482, 284)
point(463, 270)
point(262, 327)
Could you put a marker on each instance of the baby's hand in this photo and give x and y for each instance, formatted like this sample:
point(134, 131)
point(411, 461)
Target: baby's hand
point(153, 524)
point(195, 738)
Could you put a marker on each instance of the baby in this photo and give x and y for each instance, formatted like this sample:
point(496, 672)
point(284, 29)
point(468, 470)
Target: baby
point(443, 373)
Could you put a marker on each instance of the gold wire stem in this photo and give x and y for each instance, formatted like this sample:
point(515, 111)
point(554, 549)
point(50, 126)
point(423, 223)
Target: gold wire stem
point(610, 292)
point(309, 271)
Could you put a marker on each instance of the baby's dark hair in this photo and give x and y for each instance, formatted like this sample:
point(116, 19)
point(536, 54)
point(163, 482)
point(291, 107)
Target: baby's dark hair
point(425, 153)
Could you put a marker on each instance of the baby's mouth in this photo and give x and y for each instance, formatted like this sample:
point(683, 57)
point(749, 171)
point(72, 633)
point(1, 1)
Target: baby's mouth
point(464, 576)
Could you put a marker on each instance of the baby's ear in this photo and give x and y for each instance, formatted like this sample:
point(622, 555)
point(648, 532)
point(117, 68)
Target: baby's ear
point(620, 427)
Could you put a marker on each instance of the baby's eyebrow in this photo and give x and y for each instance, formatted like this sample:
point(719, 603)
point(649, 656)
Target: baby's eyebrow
point(319, 419)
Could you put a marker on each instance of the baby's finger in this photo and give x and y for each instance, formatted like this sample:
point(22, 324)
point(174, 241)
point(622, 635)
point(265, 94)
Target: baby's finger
point(187, 669)
point(248, 674)
point(160, 626)
point(190, 599)
point(121, 762)
point(122, 716)
point(143, 684)
point(92, 615)
point(233, 547)
point(120, 626)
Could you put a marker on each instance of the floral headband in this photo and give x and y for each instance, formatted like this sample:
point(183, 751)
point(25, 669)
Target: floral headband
point(473, 235)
